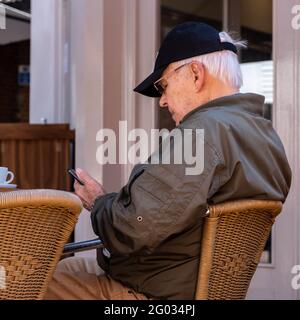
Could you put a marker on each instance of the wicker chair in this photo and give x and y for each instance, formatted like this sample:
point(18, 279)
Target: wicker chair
point(34, 226)
point(234, 237)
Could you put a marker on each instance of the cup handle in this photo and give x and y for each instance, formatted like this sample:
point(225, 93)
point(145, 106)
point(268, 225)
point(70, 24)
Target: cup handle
point(12, 176)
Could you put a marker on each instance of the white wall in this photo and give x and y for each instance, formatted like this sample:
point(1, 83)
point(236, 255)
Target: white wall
point(113, 47)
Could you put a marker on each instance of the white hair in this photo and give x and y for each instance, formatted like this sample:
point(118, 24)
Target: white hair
point(222, 64)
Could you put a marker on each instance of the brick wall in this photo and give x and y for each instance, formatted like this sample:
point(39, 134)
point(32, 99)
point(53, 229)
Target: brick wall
point(14, 100)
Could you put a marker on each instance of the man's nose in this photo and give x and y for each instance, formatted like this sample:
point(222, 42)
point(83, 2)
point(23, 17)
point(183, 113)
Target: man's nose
point(163, 101)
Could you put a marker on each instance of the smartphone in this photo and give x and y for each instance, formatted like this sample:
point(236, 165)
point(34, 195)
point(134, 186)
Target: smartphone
point(73, 173)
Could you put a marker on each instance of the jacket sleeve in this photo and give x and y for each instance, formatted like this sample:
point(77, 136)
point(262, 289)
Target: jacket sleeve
point(158, 202)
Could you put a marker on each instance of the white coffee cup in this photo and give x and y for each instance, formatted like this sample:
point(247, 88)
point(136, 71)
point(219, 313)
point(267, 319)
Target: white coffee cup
point(4, 176)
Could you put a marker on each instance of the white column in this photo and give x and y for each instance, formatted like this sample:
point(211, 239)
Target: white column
point(286, 121)
point(275, 282)
point(87, 51)
point(148, 32)
point(49, 62)
point(114, 44)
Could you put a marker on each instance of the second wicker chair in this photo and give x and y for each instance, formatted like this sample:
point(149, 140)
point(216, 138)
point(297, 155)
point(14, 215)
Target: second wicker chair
point(234, 237)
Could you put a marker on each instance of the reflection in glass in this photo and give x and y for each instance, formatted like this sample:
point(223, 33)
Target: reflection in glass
point(174, 12)
point(249, 19)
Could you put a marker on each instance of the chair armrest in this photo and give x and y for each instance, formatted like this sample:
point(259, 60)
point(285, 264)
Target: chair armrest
point(82, 246)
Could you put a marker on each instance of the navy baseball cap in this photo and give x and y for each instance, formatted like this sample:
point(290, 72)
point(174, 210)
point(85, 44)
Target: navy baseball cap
point(187, 40)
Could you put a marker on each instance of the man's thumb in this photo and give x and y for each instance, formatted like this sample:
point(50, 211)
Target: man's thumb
point(82, 174)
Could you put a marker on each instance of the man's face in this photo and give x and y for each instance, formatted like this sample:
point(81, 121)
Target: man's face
point(179, 90)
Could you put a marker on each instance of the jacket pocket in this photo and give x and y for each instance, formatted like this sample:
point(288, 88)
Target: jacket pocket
point(127, 189)
point(154, 187)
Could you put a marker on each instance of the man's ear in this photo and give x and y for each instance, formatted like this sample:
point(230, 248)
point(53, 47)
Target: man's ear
point(198, 74)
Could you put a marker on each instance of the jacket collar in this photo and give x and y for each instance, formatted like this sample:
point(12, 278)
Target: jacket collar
point(248, 102)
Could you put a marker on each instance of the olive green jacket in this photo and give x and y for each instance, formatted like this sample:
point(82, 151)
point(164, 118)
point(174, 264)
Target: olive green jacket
point(152, 227)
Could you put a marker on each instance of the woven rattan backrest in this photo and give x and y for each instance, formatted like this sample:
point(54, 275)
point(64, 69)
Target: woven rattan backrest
point(234, 237)
point(34, 226)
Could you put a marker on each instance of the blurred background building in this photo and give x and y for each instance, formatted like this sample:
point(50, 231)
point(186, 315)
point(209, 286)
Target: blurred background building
point(68, 67)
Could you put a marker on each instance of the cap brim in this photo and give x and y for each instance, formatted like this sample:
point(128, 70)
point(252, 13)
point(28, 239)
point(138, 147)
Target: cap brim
point(147, 88)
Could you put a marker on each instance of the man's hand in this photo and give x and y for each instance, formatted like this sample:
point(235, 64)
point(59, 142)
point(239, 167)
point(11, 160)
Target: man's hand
point(90, 191)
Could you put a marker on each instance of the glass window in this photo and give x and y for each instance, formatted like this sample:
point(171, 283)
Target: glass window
point(174, 12)
point(249, 19)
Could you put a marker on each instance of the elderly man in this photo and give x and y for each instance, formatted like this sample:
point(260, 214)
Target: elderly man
point(151, 229)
